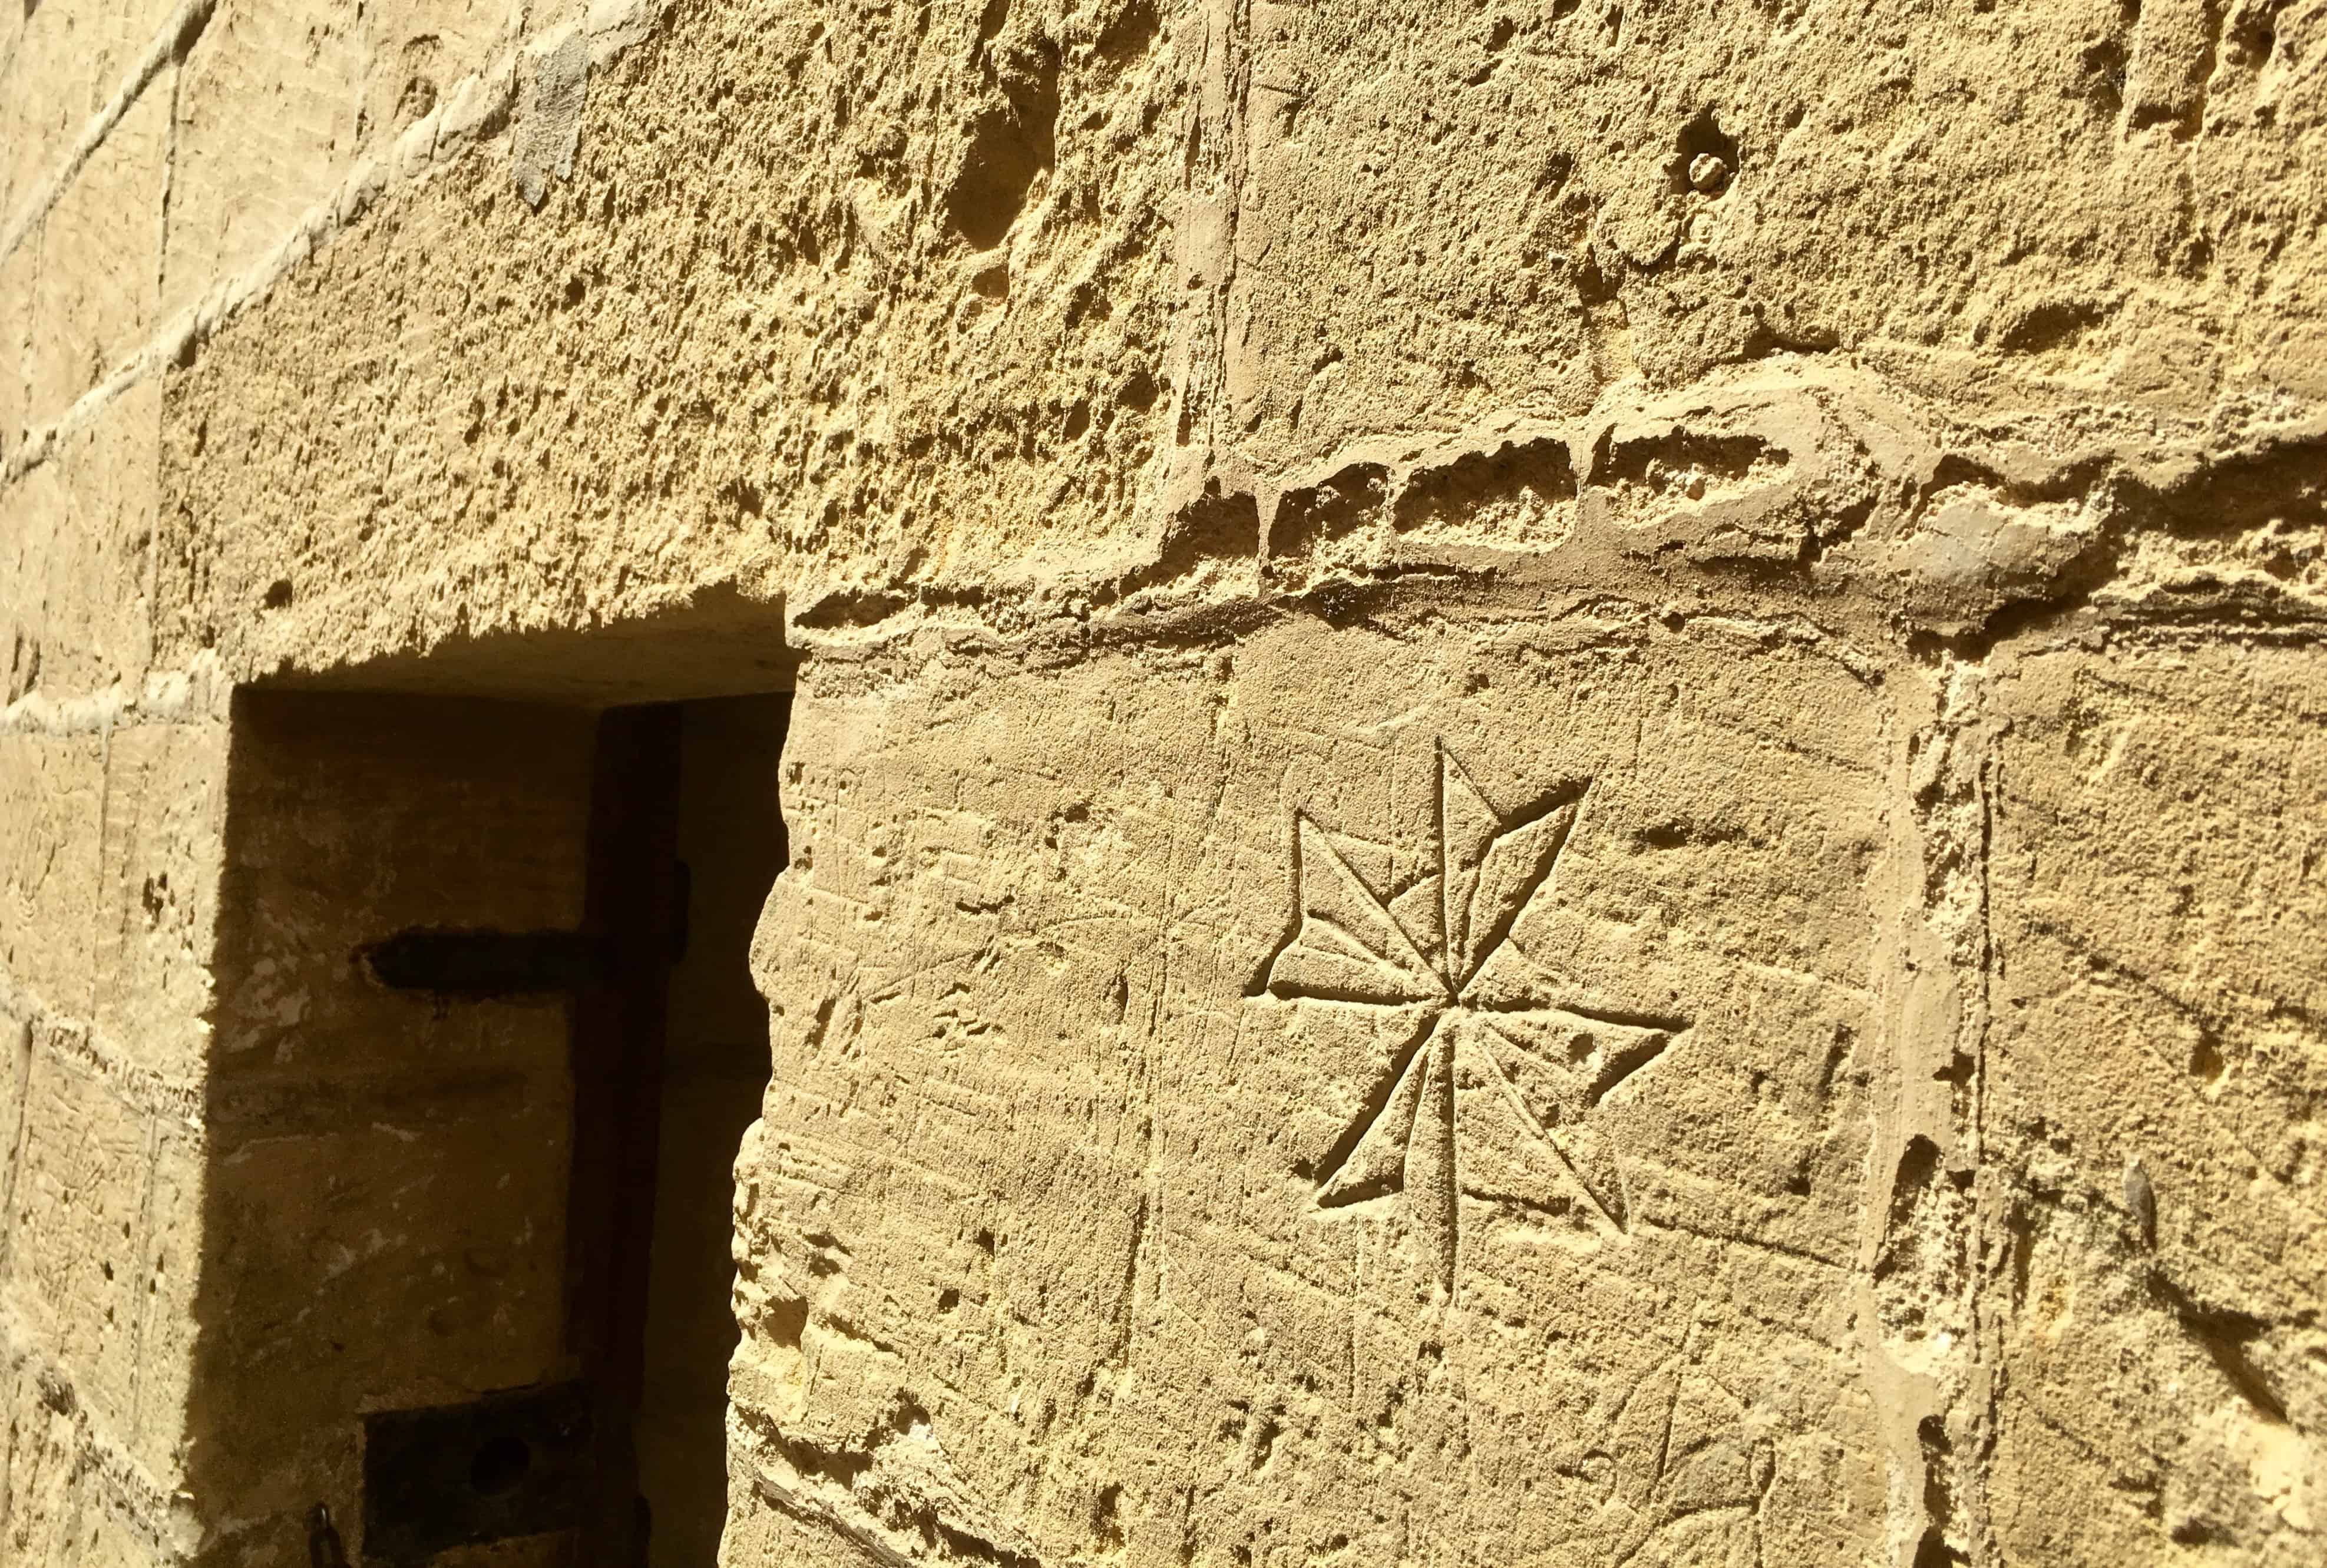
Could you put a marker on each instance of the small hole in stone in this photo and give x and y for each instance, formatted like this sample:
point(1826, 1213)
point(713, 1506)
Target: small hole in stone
point(278, 594)
point(1705, 157)
point(500, 1465)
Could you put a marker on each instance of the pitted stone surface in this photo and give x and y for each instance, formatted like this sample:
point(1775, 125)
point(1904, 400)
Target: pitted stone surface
point(1553, 796)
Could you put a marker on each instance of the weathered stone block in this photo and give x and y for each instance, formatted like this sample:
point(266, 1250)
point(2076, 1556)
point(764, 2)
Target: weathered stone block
point(62, 63)
point(2158, 1059)
point(332, 88)
point(52, 797)
point(1406, 1088)
point(162, 849)
point(32, 509)
point(15, 1067)
point(76, 536)
point(48, 88)
point(600, 421)
point(1394, 254)
point(101, 269)
point(353, 821)
point(407, 1256)
point(17, 273)
point(268, 111)
point(106, 1542)
point(104, 1242)
point(48, 1487)
point(44, 1516)
point(68, 1497)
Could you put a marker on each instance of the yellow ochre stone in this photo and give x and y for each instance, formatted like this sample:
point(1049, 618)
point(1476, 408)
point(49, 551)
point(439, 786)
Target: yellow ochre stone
point(1162, 783)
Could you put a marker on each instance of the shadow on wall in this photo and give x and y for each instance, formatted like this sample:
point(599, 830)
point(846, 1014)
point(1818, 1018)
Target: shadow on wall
point(485, 1045)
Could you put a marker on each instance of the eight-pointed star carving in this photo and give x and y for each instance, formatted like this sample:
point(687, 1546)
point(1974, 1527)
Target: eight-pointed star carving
point(1491, 1096)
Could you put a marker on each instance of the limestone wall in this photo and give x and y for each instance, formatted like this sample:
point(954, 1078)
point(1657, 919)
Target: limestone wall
point(1556, 793)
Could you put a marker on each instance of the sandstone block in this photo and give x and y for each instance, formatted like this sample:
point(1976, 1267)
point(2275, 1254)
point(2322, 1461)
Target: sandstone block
point(15, 1067)
point(100, 268)
point(61, 65)
point(1402, 259)
point(17, 273)
point(404, 1257)
point(105, 1235)
point(48, 92)
point(44, 1507)
point(55, 1511)
point(1409, 1091)
point(32, 507)
point(591, 419)
point(110, 1543)
point(349, 824)
point(2157, 1062)
point(163, 848)
point(332, 88)
point(268, 106)
point(75, 554)
point(51, 794)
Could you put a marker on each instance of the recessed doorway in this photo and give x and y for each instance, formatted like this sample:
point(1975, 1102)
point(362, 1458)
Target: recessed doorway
point(487, 1045)
point(715, 1071)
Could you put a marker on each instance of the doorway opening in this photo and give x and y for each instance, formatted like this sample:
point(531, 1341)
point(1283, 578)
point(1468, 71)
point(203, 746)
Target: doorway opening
point(671, 1059)
point(730, 845)
point(487, 1045)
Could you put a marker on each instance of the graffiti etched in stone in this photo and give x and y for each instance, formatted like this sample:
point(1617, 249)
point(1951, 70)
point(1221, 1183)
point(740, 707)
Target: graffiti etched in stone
point(1491, 1096)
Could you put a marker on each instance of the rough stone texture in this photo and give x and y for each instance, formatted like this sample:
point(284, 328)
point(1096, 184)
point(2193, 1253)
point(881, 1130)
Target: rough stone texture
point(1554, 792)
point(2160, 828)
point(80, 553)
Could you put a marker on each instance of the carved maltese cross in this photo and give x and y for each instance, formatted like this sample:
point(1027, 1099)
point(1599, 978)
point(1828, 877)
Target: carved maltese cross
point(1491, 1096)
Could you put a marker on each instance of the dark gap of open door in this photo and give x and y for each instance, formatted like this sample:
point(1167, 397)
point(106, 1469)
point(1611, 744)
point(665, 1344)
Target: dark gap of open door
point(633, 905)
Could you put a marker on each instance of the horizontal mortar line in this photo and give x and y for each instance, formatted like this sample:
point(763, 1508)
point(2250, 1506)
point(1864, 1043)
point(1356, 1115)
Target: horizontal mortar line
point(480, 99)
point(143, 1090)
point(132, 1495)
point(185, 24)
point(194, 695)
point(231, 296)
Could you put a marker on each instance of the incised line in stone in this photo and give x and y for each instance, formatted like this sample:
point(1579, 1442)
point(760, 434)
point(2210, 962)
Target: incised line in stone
point(1488, 1096)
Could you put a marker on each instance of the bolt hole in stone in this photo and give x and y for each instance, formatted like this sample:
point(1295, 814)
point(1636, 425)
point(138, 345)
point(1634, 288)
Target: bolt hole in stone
point(2206, 1062)
point(500, 1465)
point(1705, 157)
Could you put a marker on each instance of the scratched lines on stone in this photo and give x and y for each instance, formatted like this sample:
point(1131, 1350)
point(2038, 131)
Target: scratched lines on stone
point(1492, 1095)
point(1692, 1475)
